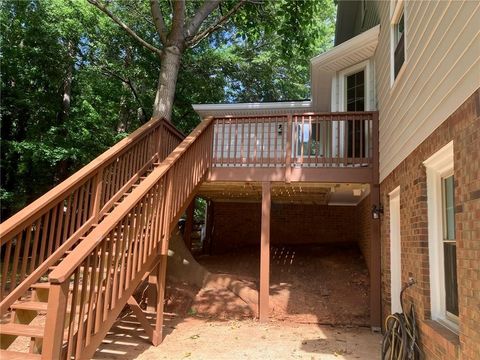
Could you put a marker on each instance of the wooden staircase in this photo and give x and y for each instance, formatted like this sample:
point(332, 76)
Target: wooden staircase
point(50, 232)
point(31, 306)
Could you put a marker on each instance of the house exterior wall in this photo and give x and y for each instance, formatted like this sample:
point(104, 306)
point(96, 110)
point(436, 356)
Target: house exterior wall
point(463, 127)
point(441, 70)
point(363, 223)
point(238, 224)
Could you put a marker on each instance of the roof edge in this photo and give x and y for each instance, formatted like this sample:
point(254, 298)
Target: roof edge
point(359, 41)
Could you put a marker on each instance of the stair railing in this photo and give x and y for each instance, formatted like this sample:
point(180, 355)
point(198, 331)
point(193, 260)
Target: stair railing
point(57, 220)
point(89, 288)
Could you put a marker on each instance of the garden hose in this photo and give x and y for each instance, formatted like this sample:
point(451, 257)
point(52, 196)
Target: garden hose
point(400, 341)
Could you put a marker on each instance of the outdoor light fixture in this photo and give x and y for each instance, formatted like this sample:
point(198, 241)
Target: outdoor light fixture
point(280, 129)
point(376, 211)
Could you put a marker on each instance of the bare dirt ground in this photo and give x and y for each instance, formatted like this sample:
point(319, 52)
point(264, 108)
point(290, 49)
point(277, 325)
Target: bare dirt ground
point(198, 339)
point(308, 284)
point(312, 288)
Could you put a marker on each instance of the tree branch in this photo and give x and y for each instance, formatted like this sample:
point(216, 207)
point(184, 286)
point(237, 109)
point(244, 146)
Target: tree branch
point(125, 27)
point(201, 14)
point(159, 21)
point(126, 81)
point(199, 37)
point(178, 22)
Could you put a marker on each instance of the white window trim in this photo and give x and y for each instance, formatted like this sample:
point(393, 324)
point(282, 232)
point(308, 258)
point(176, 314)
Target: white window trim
point(339, 97)
point(395, 253)
point(396, 9)
point(438, 166)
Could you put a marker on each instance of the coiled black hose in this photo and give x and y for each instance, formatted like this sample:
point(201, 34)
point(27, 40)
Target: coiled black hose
point(400, 341)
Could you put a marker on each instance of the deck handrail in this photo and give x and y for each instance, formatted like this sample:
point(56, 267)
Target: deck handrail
point(66, 268)
point(333, 139)
point(16, 221)
point(60, 217)
point(106, 267)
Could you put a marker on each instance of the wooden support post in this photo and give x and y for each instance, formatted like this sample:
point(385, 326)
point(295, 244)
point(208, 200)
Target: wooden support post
point(161, 285)
point(152, 291)
point(263, 304)
point(375, 248)
point(54, 325)
point(375, 264)
point(187, 234)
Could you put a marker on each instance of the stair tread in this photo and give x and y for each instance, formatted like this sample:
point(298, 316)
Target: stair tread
point(14, 355)
point(22, 330)
point(41, 285)
point(29, 305)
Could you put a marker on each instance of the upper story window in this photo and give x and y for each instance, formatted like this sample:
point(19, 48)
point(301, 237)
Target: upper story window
point(355, 91)
point(397, 37)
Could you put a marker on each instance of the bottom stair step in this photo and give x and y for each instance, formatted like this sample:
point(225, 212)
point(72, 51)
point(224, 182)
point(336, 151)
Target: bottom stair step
point(21, 330)
point(29, 305)
point(14, 355)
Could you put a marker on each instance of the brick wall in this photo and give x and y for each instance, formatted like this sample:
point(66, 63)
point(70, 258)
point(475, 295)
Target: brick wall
point(364, 230)
point(463, 127)
point(238, 224)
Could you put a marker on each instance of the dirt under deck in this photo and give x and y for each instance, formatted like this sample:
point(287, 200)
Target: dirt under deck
point(325, 284)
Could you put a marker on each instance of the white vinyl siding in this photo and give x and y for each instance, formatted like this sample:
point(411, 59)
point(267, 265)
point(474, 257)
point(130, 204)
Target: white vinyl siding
point(442, 70)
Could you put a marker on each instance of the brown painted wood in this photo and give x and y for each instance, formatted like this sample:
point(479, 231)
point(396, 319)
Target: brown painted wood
point(375, 245)
point(341, 175)
point(14, 355)
point(52, 344)
point(161, 286)
point(263, 304)
point(142, 319)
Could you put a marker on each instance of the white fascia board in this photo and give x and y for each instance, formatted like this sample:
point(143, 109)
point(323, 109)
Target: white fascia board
point(359, 42)
point(252, 108)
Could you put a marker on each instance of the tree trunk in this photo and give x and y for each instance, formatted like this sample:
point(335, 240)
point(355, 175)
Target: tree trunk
point(167, 81)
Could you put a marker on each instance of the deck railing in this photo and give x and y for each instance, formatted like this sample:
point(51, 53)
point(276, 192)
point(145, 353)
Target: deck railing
point(94, 282)
point(307, 140)
point(30, 239)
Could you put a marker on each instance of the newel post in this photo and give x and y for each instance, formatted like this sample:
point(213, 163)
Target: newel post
point(55, 322)
point(288, 150)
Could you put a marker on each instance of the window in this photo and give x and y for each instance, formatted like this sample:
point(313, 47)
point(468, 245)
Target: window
point(449, 247)
point(355, 91)
point(441, 237)
point(397, 38)
point(355, 101)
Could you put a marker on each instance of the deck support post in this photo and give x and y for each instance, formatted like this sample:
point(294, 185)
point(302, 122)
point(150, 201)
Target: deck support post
point(161, 271)
point(187, 233)
point(375, 246)
point(263, 303)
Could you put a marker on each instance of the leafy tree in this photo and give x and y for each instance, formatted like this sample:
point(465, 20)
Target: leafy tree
point(180, 25)
point(73, 82)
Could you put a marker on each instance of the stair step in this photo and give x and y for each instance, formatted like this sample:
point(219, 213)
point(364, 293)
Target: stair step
point(42, 285)
point(30, 305)
point(14, 355)
point(22, 330)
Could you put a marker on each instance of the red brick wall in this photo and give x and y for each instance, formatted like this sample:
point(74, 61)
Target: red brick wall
point(364, 230)
point(238, 224)
point(463, 127)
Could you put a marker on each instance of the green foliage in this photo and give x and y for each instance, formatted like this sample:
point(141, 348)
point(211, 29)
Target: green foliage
point(261, 55)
